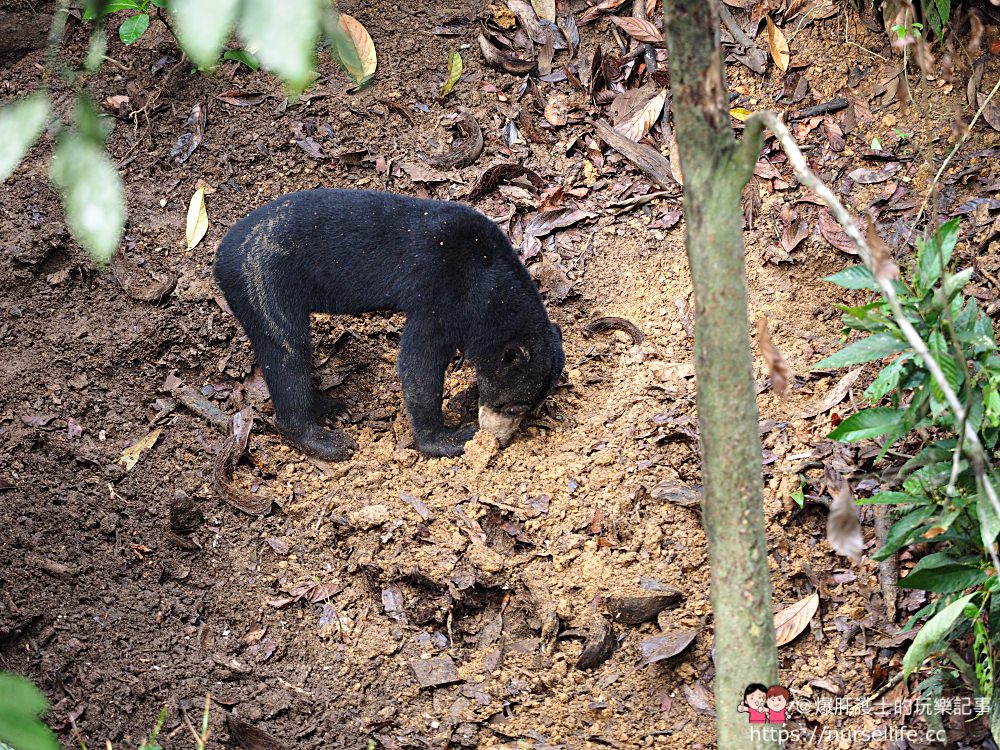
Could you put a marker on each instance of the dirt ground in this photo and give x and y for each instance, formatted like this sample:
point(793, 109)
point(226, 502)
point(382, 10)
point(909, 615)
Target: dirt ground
point(483, 577)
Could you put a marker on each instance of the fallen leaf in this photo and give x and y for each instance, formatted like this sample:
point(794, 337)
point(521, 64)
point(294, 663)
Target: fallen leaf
point(454, 73)
point(659, 647)
point(835, 396)
point(639, 123)
point(130, 456)
point(777, 365)
point(197, 219)
point(595, 10)
point(792, 620)
point(834, 234)
point(500, 174)
point(250, 737)
point(545, 9)
point(502, 60)
point(843, 527)
point(434, 672)
point(740, 113)
point(600, 644)
point(633, 610)
point(305, 141)
point(639, 29)
point(37, 420)
point(778, 44)
point(359, 36)
point(556, 110)
point(241, 98)
point(865, 176)
point(189, 141)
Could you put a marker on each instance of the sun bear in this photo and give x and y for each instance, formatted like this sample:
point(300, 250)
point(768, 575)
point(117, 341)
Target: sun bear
point(447, 267)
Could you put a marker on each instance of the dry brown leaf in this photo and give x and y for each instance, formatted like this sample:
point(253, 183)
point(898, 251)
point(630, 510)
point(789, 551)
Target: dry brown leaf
point(792, 620)
point(595, 10)
point(363, 43)
point(777, 365)
point(130, 456)
point(778, 44)
point(556, 110)
point(834, 234)
point(843, 527)
point(885, 266)
point(636, 126)
point(835, 396)
point(639, 29)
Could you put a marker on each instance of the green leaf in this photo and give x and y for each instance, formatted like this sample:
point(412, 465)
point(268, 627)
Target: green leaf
point(133, 27)
point(854, 277)
point(92, 194)
point(203, 28)
point(934, 254)
point(112, 7)
point(989, 523)
point(892, 498)
point(866, 424)
point(942, 574)
point(21, 122)
point(242, 56)
point(454, 72)
point(283, 37)
point(887, 380)
point(902, 531)
point(932, 633)
point(21, 705)
point(874, 347)
point(955, 282)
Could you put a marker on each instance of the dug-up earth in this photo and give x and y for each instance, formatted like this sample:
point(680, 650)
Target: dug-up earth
point(554, 594)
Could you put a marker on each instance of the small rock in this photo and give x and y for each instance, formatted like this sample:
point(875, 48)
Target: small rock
point(369, 517)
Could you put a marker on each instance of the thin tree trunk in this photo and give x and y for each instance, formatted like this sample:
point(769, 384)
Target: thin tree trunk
point(715, 169)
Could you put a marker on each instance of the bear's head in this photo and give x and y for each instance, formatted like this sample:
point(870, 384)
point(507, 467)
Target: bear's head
point(517, 379)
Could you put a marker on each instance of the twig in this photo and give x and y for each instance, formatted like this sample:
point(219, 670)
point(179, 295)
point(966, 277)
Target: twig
point(972, 445)
point(734, 28)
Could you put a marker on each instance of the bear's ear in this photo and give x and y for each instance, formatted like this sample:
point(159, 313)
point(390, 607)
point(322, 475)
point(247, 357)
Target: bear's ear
point(515, 354)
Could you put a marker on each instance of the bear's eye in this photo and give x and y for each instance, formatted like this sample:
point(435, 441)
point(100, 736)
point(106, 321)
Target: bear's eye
point(514, 410)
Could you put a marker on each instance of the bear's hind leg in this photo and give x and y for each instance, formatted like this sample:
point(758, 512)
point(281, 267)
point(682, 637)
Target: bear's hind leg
point(298, 407)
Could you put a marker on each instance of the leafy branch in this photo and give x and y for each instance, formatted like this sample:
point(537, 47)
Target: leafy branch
point(884, 272)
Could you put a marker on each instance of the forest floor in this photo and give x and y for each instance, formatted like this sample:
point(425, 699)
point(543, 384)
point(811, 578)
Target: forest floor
point(395, 601)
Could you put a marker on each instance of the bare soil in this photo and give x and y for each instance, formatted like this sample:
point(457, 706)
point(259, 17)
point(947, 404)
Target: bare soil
point(124, 591)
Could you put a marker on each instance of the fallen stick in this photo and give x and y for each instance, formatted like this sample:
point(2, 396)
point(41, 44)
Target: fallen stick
point(653, 164)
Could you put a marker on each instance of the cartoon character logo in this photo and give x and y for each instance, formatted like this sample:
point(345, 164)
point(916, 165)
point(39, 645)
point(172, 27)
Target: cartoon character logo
point(765, 705)
point(754, 703)
point(777, 704)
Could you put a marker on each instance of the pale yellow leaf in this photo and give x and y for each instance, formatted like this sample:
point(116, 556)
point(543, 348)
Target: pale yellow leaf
point(778, 44)
point(363, 43)
point(739, 113)
point(792, 620)
point(454, 72)
point(197, 218)
point(545, 9)
point(130, 456)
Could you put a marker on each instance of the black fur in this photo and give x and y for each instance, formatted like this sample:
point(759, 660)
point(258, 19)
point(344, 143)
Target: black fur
point(446, 266)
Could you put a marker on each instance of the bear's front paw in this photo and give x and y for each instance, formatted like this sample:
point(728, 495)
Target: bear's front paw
point(446, 442)
point(330, 445)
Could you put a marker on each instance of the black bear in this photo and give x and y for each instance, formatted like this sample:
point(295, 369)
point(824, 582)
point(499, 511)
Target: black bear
point(446, 266)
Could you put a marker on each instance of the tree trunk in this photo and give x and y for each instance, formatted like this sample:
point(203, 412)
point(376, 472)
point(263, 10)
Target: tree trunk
point(715, 169)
